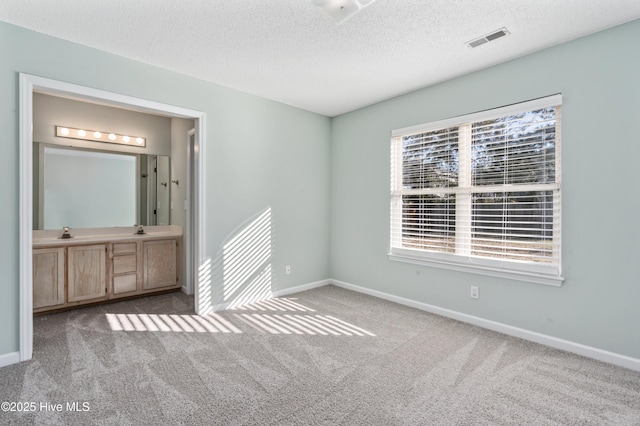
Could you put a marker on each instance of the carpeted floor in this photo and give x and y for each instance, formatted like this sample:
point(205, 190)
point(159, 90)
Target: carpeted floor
point(322, 357)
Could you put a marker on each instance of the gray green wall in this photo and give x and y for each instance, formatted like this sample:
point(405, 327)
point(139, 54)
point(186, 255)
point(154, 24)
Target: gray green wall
point(259, 155)
point(598, 304)
point(326, 181)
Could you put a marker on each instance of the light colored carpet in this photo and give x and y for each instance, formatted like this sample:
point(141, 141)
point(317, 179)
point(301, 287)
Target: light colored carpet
point(322, 357)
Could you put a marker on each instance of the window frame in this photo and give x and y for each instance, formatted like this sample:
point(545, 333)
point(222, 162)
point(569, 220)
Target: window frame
point(540, 273)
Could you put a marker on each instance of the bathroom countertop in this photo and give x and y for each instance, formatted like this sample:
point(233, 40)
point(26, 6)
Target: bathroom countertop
point(103, 235)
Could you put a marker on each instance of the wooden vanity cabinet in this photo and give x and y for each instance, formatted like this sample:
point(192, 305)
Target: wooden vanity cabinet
point(74, 274)
point(145, 266)
point(68, 276)
point(48, 278)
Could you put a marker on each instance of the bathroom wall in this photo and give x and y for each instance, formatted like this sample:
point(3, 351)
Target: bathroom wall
point(179, 159)
point(50, 111)
point(179, 176)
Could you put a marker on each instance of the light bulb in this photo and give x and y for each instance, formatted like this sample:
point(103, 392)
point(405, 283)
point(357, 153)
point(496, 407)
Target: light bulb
point(112, 137)
point(139, 141)
point(64, 131)
point(97, 135)
point(126, 139)
point(82, 133)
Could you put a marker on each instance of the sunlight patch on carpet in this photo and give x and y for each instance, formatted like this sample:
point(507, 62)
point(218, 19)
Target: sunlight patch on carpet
point(211, 323)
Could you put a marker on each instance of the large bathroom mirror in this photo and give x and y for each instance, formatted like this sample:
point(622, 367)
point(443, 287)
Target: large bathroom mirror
point(83, 188)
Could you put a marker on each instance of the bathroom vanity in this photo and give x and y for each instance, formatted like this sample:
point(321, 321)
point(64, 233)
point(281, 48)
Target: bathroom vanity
point(100, 264)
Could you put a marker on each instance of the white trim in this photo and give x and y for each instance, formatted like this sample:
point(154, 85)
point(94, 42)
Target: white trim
point(103, 97)
point(277, 293)
point(26, 217)
point(29, 84)
point(532, 336)
point(452, 263)
point(198, 205)
point(463, 260)
point(10, 358)
point(188, 285)
point(300, 288)
point(539, 103)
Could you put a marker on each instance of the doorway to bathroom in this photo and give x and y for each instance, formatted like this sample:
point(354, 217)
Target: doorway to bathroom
point(194, 185)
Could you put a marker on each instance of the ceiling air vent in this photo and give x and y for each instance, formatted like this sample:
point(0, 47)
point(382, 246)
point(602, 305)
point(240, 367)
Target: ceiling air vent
point(489, 37)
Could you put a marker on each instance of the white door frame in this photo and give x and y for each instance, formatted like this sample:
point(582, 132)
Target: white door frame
point(190, 204)
point(193, 232)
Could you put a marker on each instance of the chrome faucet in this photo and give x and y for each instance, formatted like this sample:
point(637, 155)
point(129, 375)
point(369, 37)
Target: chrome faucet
point(65, 233)
point(140, 230)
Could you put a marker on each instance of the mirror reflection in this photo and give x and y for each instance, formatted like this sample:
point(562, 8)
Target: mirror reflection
point(84, 188)
point(155, 194)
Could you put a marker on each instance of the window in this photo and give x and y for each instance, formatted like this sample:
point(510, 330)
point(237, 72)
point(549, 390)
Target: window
point(481, 192)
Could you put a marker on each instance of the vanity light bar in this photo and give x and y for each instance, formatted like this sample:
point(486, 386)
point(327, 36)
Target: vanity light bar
point(96, 136)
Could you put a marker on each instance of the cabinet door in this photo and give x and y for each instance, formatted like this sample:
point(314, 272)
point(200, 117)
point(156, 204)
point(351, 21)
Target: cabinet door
point(48, 277)
point(160, 268)
point(87, 278)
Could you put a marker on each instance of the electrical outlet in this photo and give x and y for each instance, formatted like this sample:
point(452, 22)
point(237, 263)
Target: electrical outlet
point(287, 270)
point(475, 292)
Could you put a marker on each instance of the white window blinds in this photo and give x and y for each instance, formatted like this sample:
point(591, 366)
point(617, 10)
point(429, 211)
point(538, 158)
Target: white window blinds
point(481, 190)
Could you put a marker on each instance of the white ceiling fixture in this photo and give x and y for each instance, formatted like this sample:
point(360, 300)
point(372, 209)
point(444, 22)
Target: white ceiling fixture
point(284, 50)
point(341, 10)
point(98, 136)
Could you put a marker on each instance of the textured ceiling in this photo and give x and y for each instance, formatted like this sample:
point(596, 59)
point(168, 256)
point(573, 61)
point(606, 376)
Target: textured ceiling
point(286, 51)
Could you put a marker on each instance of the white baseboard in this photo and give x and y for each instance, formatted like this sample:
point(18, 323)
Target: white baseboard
point(577, 348)
point(277, 293)
point(10, 358)
point(303, 287)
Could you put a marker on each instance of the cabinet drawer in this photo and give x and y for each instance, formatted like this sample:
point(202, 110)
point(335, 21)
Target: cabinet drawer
point(125, 264)
point(124, 283)
point(124, 248)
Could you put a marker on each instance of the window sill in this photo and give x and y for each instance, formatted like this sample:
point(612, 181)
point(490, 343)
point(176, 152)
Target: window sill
point(526, 276)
